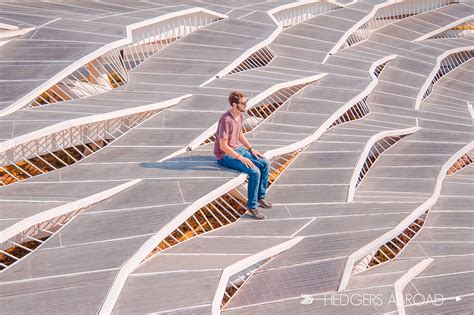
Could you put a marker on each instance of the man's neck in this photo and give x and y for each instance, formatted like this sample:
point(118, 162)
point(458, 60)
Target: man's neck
point(235, 112)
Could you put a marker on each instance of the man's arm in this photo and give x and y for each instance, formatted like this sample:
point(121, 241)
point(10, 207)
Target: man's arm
point(244, 141)
point(229, 151)
point(246, 144)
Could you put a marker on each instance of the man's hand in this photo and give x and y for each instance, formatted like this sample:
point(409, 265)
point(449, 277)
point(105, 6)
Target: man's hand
point(257, 154)
point(247, 162)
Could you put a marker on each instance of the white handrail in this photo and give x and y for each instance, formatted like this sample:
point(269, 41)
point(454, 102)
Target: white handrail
point(401, 283)
point(243, 264)
point(444, 28)
point(433, 73)
point(365, 153)
point(11, 143)
point(25, 223)
point(356, 26)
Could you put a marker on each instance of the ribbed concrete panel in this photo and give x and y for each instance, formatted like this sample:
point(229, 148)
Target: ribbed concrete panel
point(228, 244)
point(192, 262)
point(53, 192)
point(103, 226)
point(450, 285)
point(327, 210)
point(158, 286)
point(269, 228)
point(447, 306)
point(322, 247)
point(326, 225)
point(57, 290)
point(76, 259)
point(288, 282)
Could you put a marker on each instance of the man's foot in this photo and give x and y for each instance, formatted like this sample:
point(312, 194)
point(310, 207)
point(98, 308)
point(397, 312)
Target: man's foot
point(262, 203)
point(257, 214)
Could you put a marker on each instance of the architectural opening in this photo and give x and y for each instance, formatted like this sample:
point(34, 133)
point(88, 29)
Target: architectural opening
point(359, 110)
point(26, 242)
point(465, 29)
point(390, 250)
point(238, 280)
point(110, 70)
point(447, 65)
point(391, 14)
point(65, 147)
point(258, 59)
point(290, 16)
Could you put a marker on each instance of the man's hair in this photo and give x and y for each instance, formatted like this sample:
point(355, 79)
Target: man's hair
point(235, 96)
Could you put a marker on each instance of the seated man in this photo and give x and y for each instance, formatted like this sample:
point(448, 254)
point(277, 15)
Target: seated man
point(245, 159)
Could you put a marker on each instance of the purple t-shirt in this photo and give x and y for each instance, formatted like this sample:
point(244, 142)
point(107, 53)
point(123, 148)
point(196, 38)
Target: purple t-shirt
point(227, 128)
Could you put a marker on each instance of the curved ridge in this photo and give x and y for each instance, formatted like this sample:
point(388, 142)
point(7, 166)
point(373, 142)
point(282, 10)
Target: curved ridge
point(25, 230)
point(22, 148)
point(405, 222)
point(355, 179)
point(32, 95)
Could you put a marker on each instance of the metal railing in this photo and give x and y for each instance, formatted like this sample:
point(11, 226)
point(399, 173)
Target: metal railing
point(260, 58)
point(391, 14)
point(447, 65)
point(387, 246)
point(461, 163)
point(110, 70)
point(29, 240)
point(391, 249)
point(290, 16)
point(373, 149)
point(378, 70)
point(375, 152)
point(63, 148)
point(465, 29)
point(29, 233)
point(358, 111)
point(238, 280)
point(261, 111)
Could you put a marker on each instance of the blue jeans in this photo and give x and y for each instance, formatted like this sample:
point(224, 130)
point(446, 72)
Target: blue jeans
point(258, 175)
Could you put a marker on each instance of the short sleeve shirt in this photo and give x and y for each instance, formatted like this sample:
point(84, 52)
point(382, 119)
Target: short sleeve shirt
point(228, 128)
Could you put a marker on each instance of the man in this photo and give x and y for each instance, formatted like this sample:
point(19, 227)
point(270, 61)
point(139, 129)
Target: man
point(242, 158)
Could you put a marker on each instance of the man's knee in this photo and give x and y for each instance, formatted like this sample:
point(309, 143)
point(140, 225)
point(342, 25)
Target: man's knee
point(265, 164)
point(254, 172)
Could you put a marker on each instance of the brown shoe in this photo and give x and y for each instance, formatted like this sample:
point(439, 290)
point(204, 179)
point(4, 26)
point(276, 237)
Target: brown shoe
point(257, 214)
point(262, 203)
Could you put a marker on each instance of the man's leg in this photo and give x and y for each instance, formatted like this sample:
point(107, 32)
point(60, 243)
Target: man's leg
point(254, 176)
point(264, 166)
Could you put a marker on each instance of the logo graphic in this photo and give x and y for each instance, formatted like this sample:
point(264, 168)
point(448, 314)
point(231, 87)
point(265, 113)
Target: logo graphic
point(366, 299)
point(307, 299)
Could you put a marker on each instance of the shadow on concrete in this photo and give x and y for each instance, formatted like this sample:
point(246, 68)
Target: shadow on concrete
point(195, 163)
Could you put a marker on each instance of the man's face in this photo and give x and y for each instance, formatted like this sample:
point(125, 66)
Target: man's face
point(242, 104)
